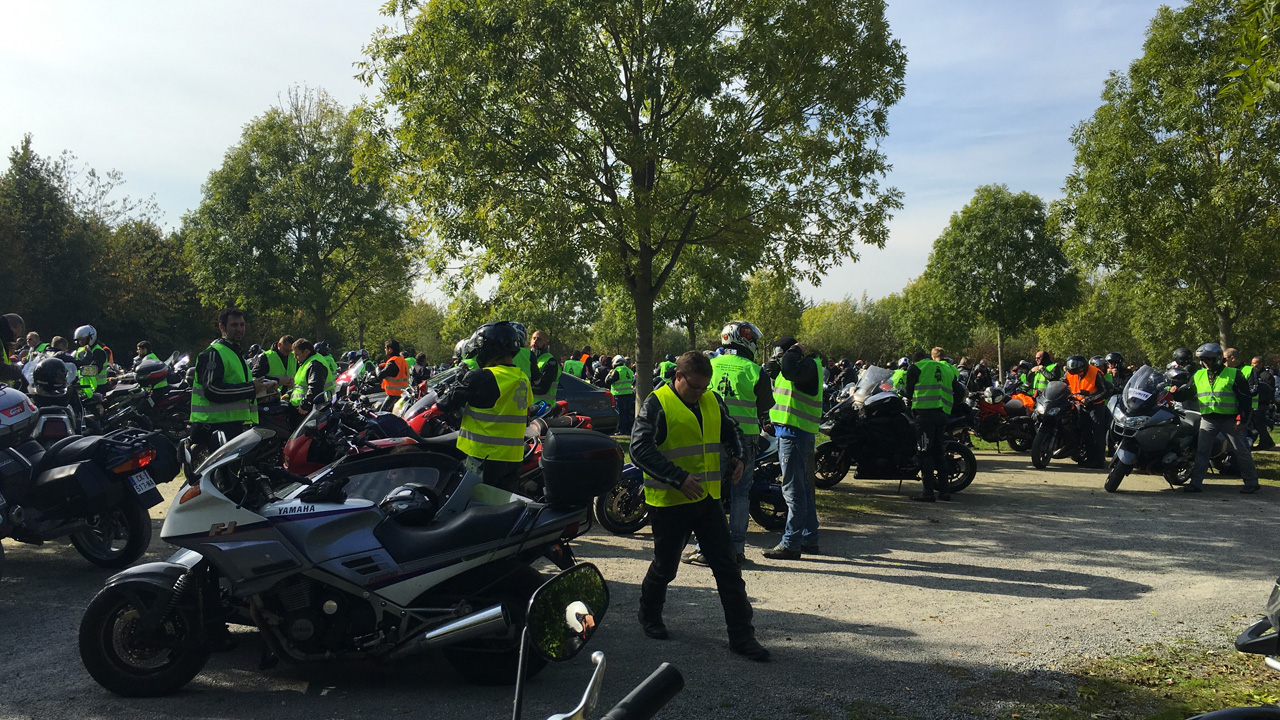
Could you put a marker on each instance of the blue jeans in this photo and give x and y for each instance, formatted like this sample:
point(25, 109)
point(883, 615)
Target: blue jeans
point(796, 453)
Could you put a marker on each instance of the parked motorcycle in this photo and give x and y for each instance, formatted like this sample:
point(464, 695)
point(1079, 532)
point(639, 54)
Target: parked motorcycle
point(329, 567)
point(872, 432)
point(52, 389)
point(96, 490)
point(1262, 638)
point(341, 427)
point(997, 417)
point(1058, 416)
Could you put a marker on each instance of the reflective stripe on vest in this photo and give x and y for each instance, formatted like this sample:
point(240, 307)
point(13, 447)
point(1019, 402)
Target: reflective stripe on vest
point(933, 389)
point(89, 381)
point(395, 386)
point(497, 433)
point(234, 371)
point(1218, 397)
point(794, 407)
point(734, 379)
point(626, 382)
point(691, 446)
point(550, 396)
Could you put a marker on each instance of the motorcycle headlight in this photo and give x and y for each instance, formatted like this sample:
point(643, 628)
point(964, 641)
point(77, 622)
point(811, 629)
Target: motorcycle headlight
point(1053, 411)
point(1132, 423)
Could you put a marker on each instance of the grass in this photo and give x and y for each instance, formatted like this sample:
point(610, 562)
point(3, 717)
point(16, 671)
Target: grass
point(1159, 682)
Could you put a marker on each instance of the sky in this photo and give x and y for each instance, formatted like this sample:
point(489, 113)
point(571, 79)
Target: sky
point(161, 90)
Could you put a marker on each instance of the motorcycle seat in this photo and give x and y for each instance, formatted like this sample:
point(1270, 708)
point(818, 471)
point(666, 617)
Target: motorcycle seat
point(473, 528)
point(447, 443)
point(66, 451)
point(1015, 408)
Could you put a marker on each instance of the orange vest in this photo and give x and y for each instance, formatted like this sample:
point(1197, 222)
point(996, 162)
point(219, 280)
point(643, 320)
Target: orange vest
point(395, 386)
point(1086, 383)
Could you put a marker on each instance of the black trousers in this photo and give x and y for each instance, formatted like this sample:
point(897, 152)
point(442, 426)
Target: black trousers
point(1259, 421)
point(671, 528)
point(1095, 422)
point(931, 436)
point(501, 474)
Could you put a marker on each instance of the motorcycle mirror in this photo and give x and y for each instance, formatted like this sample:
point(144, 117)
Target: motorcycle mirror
point(563, 615)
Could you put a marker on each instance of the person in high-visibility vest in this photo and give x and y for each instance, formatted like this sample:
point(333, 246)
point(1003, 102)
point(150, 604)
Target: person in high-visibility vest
point(325, 354)
point(621, 382)
point(929, 391)
point(900, 374)
point(277, 362)
point(224, 392)
point(394, 374)
point(91, 359)
point(1091, 387)
point(524, 356)
point(547, 381)
point(1262, 383)
point(796, 416)
point(313, 379)
point(494, 402)
point(747, 393)
point(33, 348)
point(1044, 371)
point(12, 329)
point(1225, 407)
point(678, 442)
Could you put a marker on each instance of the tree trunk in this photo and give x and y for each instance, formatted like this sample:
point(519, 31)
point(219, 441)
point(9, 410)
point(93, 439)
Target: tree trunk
point(643, 296)
point(360, 335)
point(1226, 329)
point(999, 356)
point(691, 328)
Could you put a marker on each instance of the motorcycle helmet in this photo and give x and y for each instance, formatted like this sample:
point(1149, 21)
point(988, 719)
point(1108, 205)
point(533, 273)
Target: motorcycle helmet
point(18, 416)
point(1210, 353)
point(86, 332)
point(460, 350)
point(495, 340)
point(521, 331)
point(1024, 366)
point(1177, 377)
point(255, 350)
point(740, 334)
point(414, 505)
point(1076, 364)
point(618, 360)
point(993, 395)
point(50, 377)
point(1098, 362)
point(904, 363)
point(1182, 356)
point(350, 356)
point(1114, 358)
point(322, 348)
point(670, 358)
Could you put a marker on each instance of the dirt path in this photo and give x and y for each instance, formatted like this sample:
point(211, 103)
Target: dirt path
point(910, 611)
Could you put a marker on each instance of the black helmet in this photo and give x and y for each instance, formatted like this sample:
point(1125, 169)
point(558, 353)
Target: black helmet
point(1098, 361)
point(1182, 356)
point(322, 348)
point(413, 504)
point(1024, 366)
point(1210, 353)
point(670, 357)
point(1115, 358)
point(50, 377)
point(494, 340)
point(1076, 364)
point(1177, 376)
point(255, 349)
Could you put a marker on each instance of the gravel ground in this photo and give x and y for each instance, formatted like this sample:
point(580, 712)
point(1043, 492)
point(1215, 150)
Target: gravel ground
point(915, 611)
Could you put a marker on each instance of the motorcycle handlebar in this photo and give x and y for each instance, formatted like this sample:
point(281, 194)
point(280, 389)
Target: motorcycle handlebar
point(649, 696)
point(284, 475)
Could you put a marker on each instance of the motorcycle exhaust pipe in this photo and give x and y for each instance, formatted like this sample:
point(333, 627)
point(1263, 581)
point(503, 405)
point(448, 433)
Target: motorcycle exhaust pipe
point(488, 622)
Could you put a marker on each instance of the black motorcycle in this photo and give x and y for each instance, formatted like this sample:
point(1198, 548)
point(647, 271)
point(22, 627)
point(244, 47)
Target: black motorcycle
point(871, 432)
point(1261, 638)
point(1059, 418)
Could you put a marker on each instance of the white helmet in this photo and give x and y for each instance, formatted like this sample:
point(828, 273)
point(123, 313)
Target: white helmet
point(86, 332)
point(741, 334)
point(18, 417)
point(618, 360)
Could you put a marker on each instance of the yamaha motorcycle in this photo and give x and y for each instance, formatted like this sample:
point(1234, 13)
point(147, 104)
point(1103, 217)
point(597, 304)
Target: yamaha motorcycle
point(381, 555)
point(872, 433)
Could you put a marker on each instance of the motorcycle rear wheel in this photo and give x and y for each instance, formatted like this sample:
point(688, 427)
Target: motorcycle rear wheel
point(960, 467)
point(1179, 474)
point(118, 656)
point(622, 510)
point(829, 465)
point(769, 508)
point(1042, 449)
point(117, 537)
point(1021, 442)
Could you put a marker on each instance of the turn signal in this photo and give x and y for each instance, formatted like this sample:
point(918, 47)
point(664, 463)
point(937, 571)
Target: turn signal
point(191, 493)
point(137, 461)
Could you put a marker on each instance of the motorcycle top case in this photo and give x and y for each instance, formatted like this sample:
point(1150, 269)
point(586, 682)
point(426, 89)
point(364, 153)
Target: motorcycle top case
point(578, 465)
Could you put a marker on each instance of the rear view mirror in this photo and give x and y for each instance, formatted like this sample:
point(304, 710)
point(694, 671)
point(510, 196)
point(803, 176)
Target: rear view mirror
point(566, 611)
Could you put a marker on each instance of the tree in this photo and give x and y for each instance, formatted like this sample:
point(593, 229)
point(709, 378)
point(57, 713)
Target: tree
point(1102, 322)
point(1173, 185)
point(773, 304)
point(284, 227)
point(563, 305)
point(1257, 71)
point(698, 293)
point(632, 132)
point(929, 314)
point(998, 257)
point(854, 329)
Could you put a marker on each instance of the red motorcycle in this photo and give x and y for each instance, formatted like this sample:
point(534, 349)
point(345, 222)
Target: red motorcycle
point(334, 429)
point(997, 418)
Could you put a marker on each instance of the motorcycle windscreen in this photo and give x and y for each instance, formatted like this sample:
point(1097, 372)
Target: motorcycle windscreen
point(874, 380)
point(1142, 391)
point(237, 448)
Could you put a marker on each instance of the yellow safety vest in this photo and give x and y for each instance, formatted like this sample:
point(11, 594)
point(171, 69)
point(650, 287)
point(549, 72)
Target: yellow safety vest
point(234, 371)
point(692, 447)
point(1218, 397)
point(550, 397)
point(794, 407)
point(300, 379)
point(497, 433)
point(734, 379)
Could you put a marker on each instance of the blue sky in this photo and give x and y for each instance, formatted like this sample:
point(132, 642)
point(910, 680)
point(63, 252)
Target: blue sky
point(159, 91)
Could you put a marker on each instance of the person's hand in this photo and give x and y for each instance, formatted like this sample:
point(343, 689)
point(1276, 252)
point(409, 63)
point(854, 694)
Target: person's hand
point(735, 470)
point(285, 382)
point(1037, 368)
point(264, 385)
point(692, 487)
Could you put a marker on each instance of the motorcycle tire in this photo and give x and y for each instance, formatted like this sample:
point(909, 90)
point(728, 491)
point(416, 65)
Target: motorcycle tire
point(768, 507)
point(117, 537)
point(493, 661)
point(621, 512)
point(1021, 442)
point(829, 465)
point(961, 467)
point(1041, 449)
point(1115, 476)
point(121, 660)
point(1179, 474)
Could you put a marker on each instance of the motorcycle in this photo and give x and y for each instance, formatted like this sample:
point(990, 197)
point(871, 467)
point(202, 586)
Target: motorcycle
point(276, 417)
point(95, 490)
point(1261, 637)
point(336, 567)
point(622, 510)
point(872, 432)
point(1058, 416)
point(59, 416)
point(997, 418)
point(335, 428)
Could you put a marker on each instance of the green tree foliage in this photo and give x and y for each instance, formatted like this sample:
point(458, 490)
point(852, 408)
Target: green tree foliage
point(1257, 61)
point(632, 132)
point(1173, 185)
point(929, 315)
point(998, 257)
point(1102, 322)
point(773, 304)
point(563, 304)
point(854, 329)
point(465, 313)
point(284, 230)
point(698, 294)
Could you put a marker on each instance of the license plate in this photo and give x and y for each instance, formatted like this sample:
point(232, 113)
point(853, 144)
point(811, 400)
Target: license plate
point(142, 482)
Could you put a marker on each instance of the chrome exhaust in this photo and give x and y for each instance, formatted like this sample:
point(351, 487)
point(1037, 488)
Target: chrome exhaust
point(490, 621)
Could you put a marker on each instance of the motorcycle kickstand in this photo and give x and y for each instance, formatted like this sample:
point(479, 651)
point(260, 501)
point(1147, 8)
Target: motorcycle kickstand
point(269, 659)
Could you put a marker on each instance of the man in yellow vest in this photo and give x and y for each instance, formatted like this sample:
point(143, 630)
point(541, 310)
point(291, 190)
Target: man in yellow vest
point(224, 392)
point(494, 402)
point(1262, 383)
point(12, 329)
point(547, 378)
point(747, 393)
point(930, 393)
point(312, 382)
point(1225, 406)
point(621, 382)
point(277, 362)
point(679, 441)
point(796, 417)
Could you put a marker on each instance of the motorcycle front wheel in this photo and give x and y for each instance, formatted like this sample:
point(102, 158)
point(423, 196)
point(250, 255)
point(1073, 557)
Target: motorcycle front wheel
point(1178, 474)
point(1020, 435)
point(1115, 475)
point(959, 467)
point(622, 510)
point(768, 507)
point(115, 538)
point(1042, 448)
point(829, 465)
point(126, 659)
